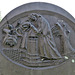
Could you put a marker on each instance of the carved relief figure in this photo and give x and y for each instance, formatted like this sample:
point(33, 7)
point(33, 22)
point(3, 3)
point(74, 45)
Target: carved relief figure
point(60, 29)
point(39, 29)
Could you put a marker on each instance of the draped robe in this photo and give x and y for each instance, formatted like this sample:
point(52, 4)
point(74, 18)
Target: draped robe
point(46, 45)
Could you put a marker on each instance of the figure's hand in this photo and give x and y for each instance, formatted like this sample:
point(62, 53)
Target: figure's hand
point(31, 25)
point(39, 32)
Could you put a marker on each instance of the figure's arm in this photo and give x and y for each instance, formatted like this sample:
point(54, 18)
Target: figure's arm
point(34, 28)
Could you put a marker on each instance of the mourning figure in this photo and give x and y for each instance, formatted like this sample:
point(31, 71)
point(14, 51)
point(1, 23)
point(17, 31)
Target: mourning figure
point(38, 33)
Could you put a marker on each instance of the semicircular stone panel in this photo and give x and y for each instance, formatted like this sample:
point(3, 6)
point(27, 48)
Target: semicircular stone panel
point(37, 38)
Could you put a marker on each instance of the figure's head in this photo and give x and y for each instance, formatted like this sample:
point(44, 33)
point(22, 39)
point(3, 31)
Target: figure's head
point(34, 16)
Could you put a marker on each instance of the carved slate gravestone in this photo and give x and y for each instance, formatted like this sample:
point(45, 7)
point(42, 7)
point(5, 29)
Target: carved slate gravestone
point(37, 38)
